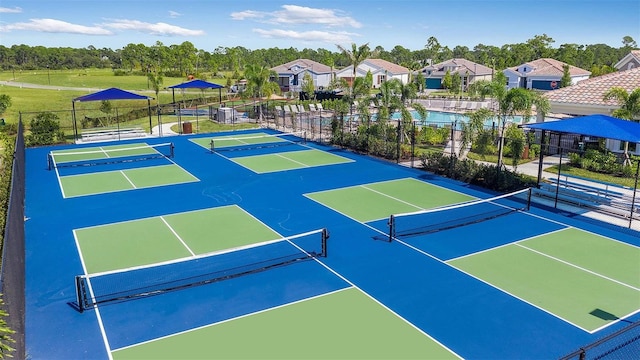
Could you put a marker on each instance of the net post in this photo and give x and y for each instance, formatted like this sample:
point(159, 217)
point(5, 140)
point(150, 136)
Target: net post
point(172, 148)
point(392, 227)
point(49, 161)
point(529, 199)
point(304, 137)
point(212, 147)
point(325, 236)
point(79, 292)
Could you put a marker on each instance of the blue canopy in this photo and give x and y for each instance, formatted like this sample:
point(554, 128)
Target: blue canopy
point(111, 94)
point(593, 125)
point(196, 84)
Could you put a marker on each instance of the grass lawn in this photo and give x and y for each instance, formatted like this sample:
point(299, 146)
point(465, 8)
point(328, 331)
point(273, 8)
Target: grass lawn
point(578, 172)
point(491, 158)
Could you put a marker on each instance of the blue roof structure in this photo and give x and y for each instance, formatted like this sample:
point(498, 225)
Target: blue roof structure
point(196, 84)
point(111, 94)
point(593, 125)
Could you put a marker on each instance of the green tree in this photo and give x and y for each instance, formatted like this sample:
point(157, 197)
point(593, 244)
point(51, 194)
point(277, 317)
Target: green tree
point(629, 108)
point(514, 101)
point(5, 333)
point(5, 103)
point(515, 140)
point(107, 108)
point(473, 128)
point(156, 79)
point(307, 86)
point(45, 130)
point(447, 80)
point(355, 56)
point(566, 76)
point(259, 84)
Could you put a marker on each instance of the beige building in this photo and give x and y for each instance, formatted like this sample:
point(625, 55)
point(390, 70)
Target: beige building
point(586, 98)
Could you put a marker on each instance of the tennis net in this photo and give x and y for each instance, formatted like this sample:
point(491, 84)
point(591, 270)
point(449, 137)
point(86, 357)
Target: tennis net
point(257, 141)
point(453, 216)
point(109, 155)
point(156, 279)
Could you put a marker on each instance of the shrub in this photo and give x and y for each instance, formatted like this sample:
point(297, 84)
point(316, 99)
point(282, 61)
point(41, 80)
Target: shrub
point(45, 130)
point(469, 171)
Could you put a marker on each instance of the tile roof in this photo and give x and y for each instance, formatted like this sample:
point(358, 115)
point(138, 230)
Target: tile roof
point(591, 91)
point(550, 67)
point(463, 65)
point(388, 66)
point(317, 67)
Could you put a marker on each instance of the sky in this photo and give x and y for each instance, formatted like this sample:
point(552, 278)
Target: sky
point(261, 24)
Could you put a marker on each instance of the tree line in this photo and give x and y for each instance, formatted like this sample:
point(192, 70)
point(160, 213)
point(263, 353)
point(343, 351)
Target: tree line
point(185, 59)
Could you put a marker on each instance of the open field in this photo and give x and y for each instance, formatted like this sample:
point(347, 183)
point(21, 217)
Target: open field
point(36, 100)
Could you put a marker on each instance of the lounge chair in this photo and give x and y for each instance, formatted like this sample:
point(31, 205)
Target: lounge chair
point(312, 108)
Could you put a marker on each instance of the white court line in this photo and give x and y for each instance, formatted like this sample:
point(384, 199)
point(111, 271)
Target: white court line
point(129, 180)
point(392, 197)
point(230, 319)
point(294, 161)
point(577, 267)
point(177, 236)
point(95, 307)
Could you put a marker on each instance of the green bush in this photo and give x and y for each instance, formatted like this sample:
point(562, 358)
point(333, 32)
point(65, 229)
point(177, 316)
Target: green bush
point(45, 130)
point(469, 171)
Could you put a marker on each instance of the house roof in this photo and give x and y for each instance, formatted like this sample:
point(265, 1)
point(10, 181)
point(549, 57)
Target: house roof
point(379, 65)
point(591, 91)
point(388, 66)
point(550, 67)
point(463, 66)
point(633, 54)
point(302, 65)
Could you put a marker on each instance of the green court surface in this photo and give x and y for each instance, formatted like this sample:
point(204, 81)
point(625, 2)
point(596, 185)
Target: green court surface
point(376, 201)
point(342, 325)
point(580, 277)
point(169, 237)
point(120, 180)
point(289, 160)
point(239, 140)
point(105, 152)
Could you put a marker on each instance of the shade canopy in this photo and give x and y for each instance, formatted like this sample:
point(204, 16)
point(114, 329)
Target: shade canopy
point(196, 84)
point(603, 126)
point(111, 94)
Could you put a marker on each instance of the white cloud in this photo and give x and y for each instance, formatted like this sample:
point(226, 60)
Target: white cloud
point(15, 10)
point(174, 14)
point(332, 37)
point(248, 14)
point(55, 26)
point(300, 15)
point(161, 29)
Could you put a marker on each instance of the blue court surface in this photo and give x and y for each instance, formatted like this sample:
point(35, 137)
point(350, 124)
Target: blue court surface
point(523, 284)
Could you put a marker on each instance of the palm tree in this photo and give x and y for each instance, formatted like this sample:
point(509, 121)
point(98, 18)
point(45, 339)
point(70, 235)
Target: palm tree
point(259, 84)
point(514, 101)
point(356, 55)
point(629, 109)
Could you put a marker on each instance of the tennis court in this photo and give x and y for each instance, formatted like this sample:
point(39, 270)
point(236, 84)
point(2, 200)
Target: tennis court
point(264, 153)
point(106, 169)
point(355, 258)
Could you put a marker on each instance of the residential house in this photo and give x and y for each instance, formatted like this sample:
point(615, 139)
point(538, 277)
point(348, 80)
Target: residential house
point(469, 71)
point(381, 70)
point(632, 60)
point(586, 98)
point(291, 74)
point(542, 74)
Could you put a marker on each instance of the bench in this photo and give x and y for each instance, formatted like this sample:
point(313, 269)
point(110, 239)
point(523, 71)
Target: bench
point(620, 207)
point(111, 133)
